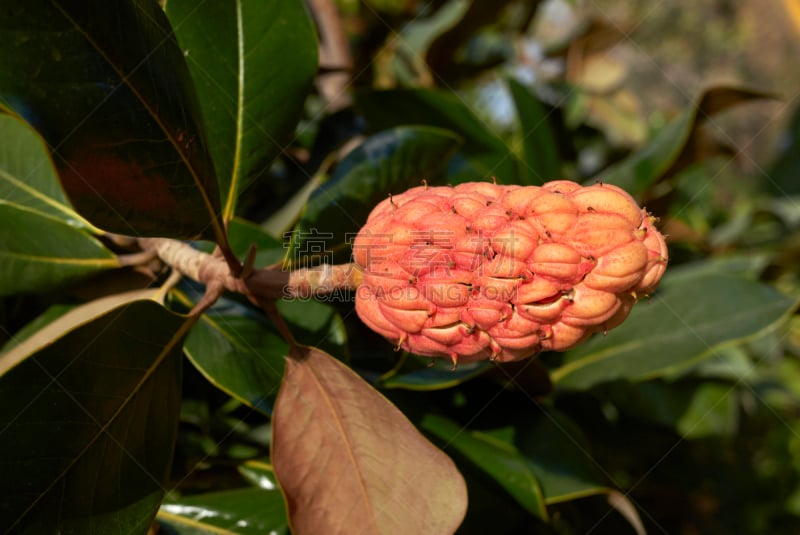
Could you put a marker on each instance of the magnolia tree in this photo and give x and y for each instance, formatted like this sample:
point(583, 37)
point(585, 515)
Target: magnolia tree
point(206, 241)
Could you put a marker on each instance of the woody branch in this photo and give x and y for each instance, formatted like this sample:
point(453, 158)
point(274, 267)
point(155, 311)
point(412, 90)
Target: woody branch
point(256, 284)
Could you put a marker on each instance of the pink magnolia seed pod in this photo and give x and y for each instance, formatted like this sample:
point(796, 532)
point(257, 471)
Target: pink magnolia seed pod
point(484, 271)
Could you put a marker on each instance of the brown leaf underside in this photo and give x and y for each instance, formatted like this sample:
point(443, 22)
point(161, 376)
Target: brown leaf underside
point(349, 461)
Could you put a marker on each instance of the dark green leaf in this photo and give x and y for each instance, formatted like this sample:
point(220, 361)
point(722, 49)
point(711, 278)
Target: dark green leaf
point(498, 458)
point(671, 148)
point(544, 460)
point(388, 162)
point(560, 457)
point(682, 324)
point(487, 154)
point(38, 253)
point(693, 409)
point(732, 363)
point(317, 324)
point(107, 87)
point(49, 315)
point(259, 473)
point(233, 512)
point(27, 177)
point(242, 234)
point(238, 350)
point(252, 63)
point(748, 265)
point(438, 376)
point(89, 412)
point(43, 242)
point(541, 160)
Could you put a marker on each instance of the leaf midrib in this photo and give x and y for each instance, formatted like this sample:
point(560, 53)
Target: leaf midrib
point(110, 262)
point(332, 406)
point(227, 212)
point(50, 201)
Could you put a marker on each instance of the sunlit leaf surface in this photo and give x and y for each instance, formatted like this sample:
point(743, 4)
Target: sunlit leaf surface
point(680, 325)
point(252, 63)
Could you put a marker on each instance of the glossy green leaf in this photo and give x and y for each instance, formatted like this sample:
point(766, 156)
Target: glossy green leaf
point(388, 162)
point(732, 363)
point(27, 176)
point(43, 242)
point(238, 350)
point(541, 160)
point(259, 473)
point(693, 409)
point(107, 87)
point(560, 457)
point(317, 323)
point(500, 459)
point(544, 460)
point(747, 266)
point(39, 252)
point(61, 319)
point(234, 512)
point(680, 325)
point(670, 148)
point(349, 461)
point(487, 154)
point(253, 63)
point(88, 418)
point(438, 376)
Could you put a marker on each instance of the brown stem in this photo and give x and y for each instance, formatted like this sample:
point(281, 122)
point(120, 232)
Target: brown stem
point(272, 311)
point(177, 254)
point(322, 280)
point(234, 266)
point(259, 285)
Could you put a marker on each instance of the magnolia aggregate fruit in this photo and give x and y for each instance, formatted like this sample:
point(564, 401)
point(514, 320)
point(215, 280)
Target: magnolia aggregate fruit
point(486, 271)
